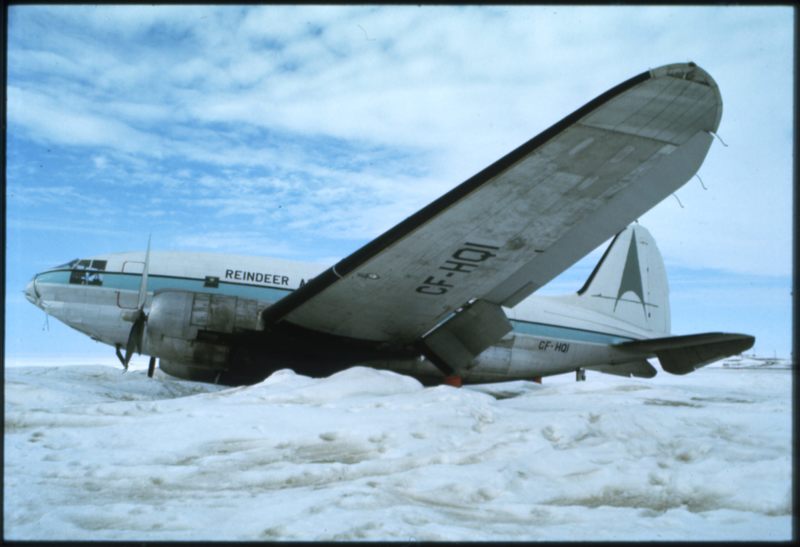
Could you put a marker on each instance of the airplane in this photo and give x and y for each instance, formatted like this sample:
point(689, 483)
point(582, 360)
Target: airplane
point(446, 295)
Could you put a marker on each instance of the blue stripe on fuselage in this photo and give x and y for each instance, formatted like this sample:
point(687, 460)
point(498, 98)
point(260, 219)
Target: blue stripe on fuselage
point(543, 330)
point(155, 282)
point(131, 282)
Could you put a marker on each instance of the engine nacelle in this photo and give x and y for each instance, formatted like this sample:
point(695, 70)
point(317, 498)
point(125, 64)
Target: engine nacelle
point(176, 317)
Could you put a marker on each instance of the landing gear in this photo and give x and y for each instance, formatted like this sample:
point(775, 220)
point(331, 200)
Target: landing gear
point(537, 379)
point(580, 374)
point(117, 347)
point(151, 366)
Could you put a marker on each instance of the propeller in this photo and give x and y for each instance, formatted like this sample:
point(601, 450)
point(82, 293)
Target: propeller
point(136, 336)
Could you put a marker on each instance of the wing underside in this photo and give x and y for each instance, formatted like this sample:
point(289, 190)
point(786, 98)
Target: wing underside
point(511, 228)
point(639, 368)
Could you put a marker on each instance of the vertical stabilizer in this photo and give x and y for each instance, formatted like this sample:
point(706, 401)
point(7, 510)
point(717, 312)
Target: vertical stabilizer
point(630, 282)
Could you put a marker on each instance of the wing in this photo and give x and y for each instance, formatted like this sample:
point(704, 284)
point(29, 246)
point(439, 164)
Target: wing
point(514, 226)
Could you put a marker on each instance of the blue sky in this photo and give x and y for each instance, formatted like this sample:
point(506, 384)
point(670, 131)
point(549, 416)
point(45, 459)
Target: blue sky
point(304, 132)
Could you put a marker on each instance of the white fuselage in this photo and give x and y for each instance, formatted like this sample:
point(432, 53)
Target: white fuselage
point(551, 335)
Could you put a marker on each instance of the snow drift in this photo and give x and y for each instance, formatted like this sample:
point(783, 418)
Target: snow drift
point(94, 454)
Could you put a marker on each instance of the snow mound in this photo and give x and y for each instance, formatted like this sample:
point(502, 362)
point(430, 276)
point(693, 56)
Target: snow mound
point(286, 387)
point(95, 454)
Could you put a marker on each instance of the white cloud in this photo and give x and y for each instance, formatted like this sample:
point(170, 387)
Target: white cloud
point(100, 162)
point(54, 194)
point(251, 89)
point(235, 243)
point(47, 119)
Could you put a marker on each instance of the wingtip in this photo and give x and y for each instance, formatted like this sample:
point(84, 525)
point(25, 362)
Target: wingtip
point(685, 71)
point(694, 73)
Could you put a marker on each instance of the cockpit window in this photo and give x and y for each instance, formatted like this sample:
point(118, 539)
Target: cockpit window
point(87, 272)
point(85, 277)
point(78, 264)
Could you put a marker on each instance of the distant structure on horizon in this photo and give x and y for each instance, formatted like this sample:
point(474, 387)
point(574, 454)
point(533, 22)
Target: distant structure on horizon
point(753, 361)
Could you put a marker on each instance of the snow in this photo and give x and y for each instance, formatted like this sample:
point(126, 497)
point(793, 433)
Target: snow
point(95, 454)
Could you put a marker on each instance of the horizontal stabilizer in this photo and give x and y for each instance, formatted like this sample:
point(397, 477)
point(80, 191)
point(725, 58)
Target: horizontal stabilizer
point(639, 369)
point(683, 354)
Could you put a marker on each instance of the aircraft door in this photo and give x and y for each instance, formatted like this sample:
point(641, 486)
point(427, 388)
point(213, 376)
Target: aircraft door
point(129, 300)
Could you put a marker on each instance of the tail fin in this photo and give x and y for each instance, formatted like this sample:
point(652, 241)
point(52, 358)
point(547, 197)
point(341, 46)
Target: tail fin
point(630, 282)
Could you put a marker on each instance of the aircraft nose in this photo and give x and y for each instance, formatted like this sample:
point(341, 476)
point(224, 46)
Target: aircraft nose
point(31, 293)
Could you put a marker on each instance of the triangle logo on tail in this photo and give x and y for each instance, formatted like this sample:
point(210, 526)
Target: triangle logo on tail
point(631, 276)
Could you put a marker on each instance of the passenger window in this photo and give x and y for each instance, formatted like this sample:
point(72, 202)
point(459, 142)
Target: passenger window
point(211, 281)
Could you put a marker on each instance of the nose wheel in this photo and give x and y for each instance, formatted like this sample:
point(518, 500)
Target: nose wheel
point(151, 367)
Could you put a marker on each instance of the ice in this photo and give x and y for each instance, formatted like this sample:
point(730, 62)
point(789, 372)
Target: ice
point(95, 454)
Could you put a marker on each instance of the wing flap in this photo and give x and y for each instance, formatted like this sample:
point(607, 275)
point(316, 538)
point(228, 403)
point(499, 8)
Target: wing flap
point(454, 344)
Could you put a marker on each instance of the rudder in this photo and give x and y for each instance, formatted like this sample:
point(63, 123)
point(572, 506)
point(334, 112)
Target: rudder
point(630, 282)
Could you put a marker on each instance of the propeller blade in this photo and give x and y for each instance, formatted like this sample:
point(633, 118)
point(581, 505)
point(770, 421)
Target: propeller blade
point(135, 338)
point(136, 335)
point(143, 285)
